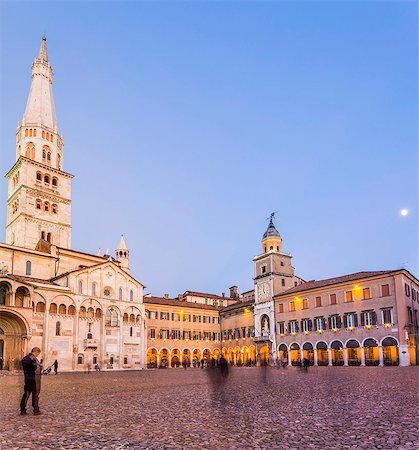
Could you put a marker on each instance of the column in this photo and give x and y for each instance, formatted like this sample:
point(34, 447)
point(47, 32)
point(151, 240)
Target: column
point(362, 356)
point(301, 355)
point(289, 358)
point(12, 298)
point(380, 356)
point(329, 355)
point(315, 358)
point(169, 359)
point(345, 356)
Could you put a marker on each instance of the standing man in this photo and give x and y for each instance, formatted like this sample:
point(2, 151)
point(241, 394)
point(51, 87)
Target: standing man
point(32, 370)
point(55, 367)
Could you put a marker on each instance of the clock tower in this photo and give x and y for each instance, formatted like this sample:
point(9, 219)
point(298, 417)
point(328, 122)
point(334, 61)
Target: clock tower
point(273, 274)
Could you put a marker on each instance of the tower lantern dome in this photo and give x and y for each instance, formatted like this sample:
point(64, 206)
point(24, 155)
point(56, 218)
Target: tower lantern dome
point(122, 253)
point(271, 240)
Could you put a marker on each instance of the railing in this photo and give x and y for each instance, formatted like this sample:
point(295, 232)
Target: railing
point(91, 343)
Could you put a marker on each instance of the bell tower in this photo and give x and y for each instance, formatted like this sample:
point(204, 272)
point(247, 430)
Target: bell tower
point(39, 191)
point(122, 254)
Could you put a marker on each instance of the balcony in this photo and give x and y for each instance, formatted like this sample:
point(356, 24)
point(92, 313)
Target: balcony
point(91, 343)
point(264, 337)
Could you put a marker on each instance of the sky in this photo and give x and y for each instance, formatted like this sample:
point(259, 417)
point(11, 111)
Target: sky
point(187, 123)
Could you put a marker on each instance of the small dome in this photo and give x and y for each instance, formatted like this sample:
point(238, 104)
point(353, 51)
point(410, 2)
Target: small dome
point(271, 231)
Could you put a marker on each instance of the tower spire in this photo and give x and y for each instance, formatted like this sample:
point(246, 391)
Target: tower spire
point(40, 108)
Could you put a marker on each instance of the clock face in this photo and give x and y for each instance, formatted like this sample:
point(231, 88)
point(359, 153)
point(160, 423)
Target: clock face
point(264, 291)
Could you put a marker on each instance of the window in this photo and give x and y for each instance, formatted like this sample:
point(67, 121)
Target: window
point(333, 299)
point(196, 335)
point(282, 281)
point(263, 269)
point(320, 323)
point(175, 317)
point(187, 335)
point(58, 329)
point(186, 317)
point(348, 296)
point(30, 150)
point(293, 326)
point(112, 318)
point(305, 303)
point(130, 331)
point(59, 162)
point(94, 289)
point(366, 293)
point(80, 359)
point(196, 318)
point(152, 315)
point(48, 237)
point(46, 179)
point(55, 182)
point(43, 134)
point(53, 308)
point(407, 290)
point(206, 319)
point(281, 328)
point(55, 208)
point(409, 316)
point(175, 334)
point(46, 206)
point(216, 320)
point(292, 306)
point(387, 316)
point(38, 204)
point(80, 287)
point(306, 325)
point(295, 283)
point(368, 318)
point(335, 321)
point(120, 293)
point(152, 333)
point(38, 176)
point(318, 302)
point(350, 320)
point(280, 307)
point(164, 316)
point(28, 268)
point(131, 295)
point(282, 263)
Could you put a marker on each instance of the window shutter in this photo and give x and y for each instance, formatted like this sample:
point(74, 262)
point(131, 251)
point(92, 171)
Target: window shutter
point(362, 319)
point(339, 321)
point(356, 319)
point(310, 324)
point(329, 320)
point(345, 321)
point(374, 318)
point(407, 289)
point(297, 329)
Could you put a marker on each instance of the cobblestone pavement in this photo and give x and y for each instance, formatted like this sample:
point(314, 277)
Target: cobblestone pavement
point(325, 408)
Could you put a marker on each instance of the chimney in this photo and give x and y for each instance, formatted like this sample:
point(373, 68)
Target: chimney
point(180, 297)
point(166, 296)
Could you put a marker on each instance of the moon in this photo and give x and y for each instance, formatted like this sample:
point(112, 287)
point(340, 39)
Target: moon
point(404, 212)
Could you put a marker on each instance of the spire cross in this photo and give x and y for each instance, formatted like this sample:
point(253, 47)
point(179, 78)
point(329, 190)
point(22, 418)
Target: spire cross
point(271, 217)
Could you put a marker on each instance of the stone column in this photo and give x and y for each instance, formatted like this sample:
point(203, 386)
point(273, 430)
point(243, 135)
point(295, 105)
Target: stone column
point(380, 356)
point(329, 355)
point(315, 358)
point(289, 358)
point(169, 360)
point(301, 355)
point(12, 298)
point(404, 355)
point(345, 356)
point(362, 356)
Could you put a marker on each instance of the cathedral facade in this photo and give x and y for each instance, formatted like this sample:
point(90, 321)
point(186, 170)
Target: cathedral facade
point(79, 308)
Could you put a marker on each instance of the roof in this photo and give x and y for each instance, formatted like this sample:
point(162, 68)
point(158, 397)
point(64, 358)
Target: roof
point(248, 292)
point(122, 245)
point(178, 303)
point(238, 305)
point(308, 285)
point(271, 231)
point(30, 280)
point(203, 294)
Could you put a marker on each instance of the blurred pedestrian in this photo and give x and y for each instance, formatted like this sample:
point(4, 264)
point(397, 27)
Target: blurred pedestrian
point(32, 369)
point(55, 367)
point(97, 367)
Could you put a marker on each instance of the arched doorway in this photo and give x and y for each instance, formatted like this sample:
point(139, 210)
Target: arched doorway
point(371, 352)
point(238, 357)
point(390, 351)
point(264, 356)
point(5, 293)
point(295, 354)
point(216, 353)
point(164, 357)
point(308, 352)
point(252, 355)
point(186, 357)
point(322, 355)
point(231, 356)
point(337, 353)
point(283, 354)
point(13, 339)
point(151, 358)
point(196, 357)
point(245, 356)
point(175, 358)
point(353, 352)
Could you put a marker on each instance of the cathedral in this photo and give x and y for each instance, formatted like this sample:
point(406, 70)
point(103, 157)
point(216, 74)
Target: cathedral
point(79, 308)
point(83, 309)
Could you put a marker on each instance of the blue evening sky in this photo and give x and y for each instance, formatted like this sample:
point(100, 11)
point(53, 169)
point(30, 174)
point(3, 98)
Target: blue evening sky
point(187, 123)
